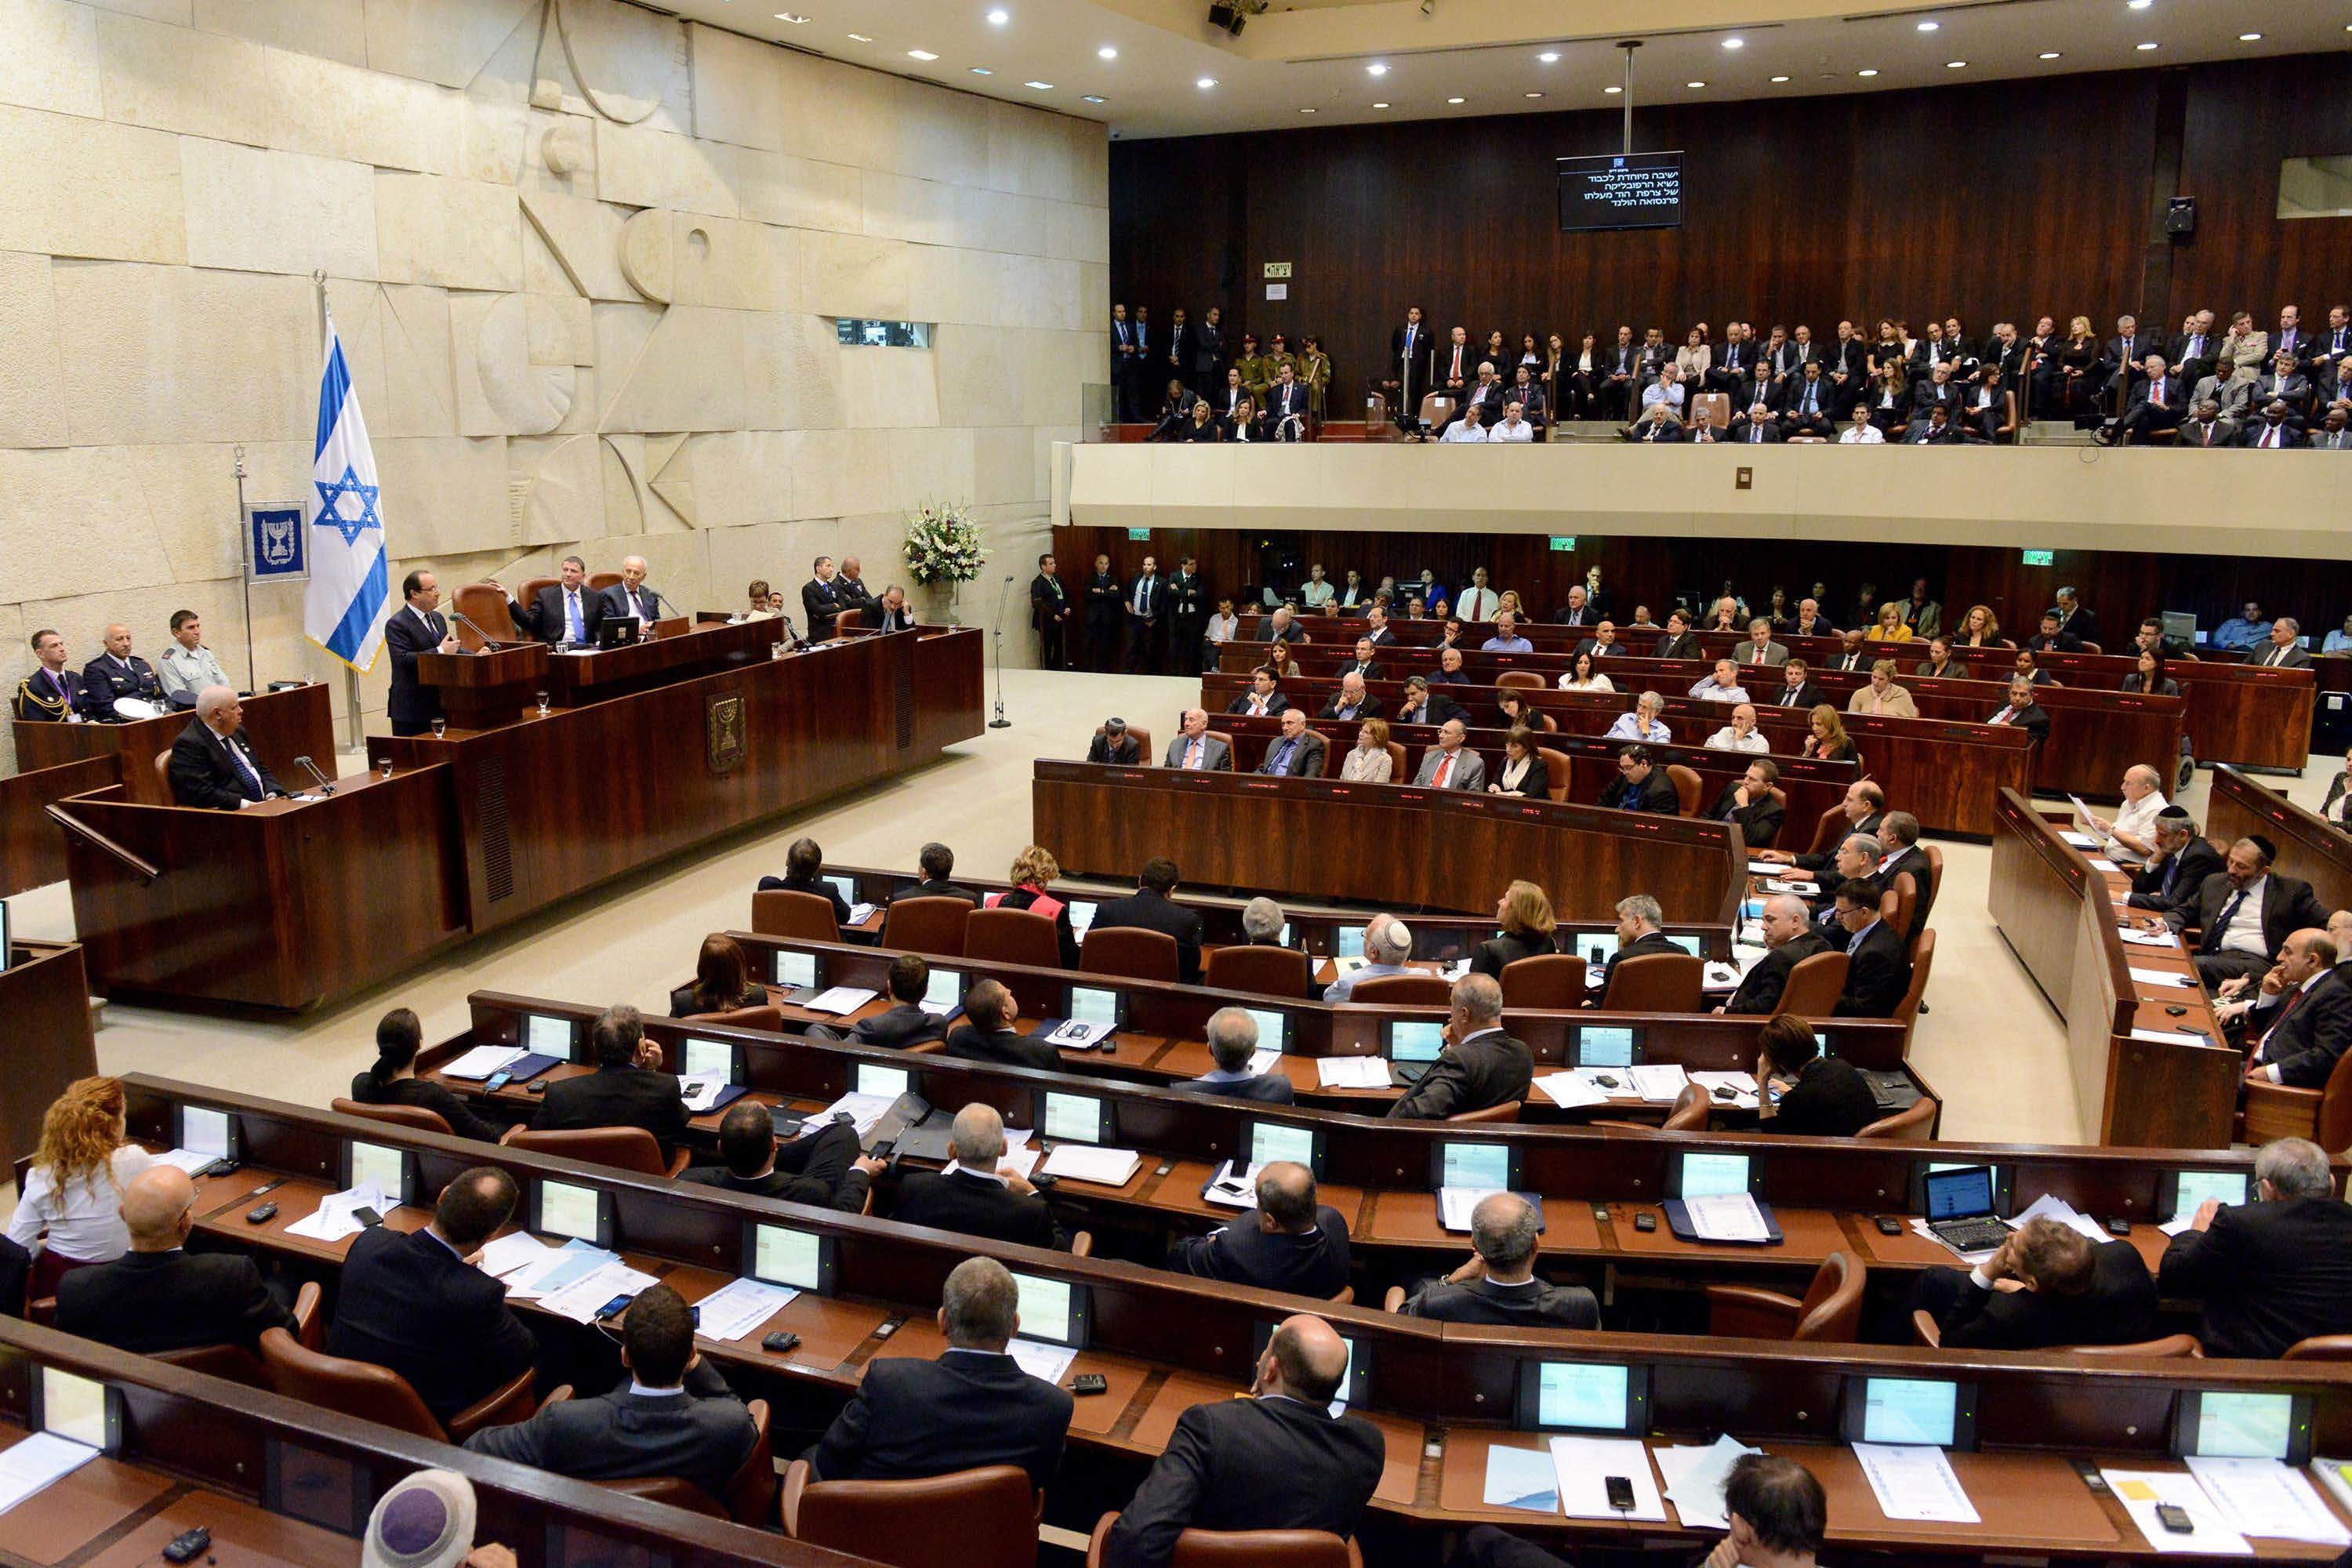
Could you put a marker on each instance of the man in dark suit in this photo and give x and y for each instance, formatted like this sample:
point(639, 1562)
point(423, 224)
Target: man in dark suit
point(1877, 974)
point(1807, 402)
point(1287, 1242)
point(2271, 1272)
point(1233, 1041)
point(1188, 615)
point(1423, 707)
point(1748, 801)
point(632, 596)
point(2275, 430)
point(117, 673)
point(1498, 1284)
point(2245, 914)
point(973, 1406)
point(417, 627)
point(1863, 804)
point(934, 865)
point(2182, 861)
point(673, 1414)
point(2282, 652)
point(2158, 401)
point(1641, 784)
point(1755, 424)
point(2050, 638)
point(1798, 689)
point(564, 613)
point(820, 600)
point(1480, 1066)
point(805, 873)
point(1639, 918)
point(987, 1035)
point(1103, 613)
point(1113, 745)
point(628, 1088)
point(1285, 405)
point(849, 587)
point(2300, 1014)
point(2075, 1291)
point(1298, 752)
point(1350, 704)
point(1150, 907)
point(2023, 712)
point(1264, 699)
point(1789, 938)
point(1049, 613)
point(1145, 605)
point(903, 1023)
point(1179, 351)
point(416, 1303)
point(158, 1297)
point(1409, 351)
point(51, 694)
point(817, 1170)
point(214, 763)
point(1278, 1461)
point(982, 1195)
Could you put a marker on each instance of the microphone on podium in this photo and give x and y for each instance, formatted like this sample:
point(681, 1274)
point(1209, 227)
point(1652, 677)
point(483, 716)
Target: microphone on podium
point(489, 643)
point(326, 785)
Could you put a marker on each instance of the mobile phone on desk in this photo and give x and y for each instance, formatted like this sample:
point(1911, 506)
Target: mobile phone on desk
point(2175, 1519)
point(496, 1081)
point(1620, 1493)
point(367, 1216)
point(1087, 1382)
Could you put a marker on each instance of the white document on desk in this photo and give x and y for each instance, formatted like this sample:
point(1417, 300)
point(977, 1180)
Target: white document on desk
point(29, 1467)
point(864, 1109)
point(1718, 976)
point(1732, 1216)
point(1789, 885)
point(1582, 1467)
point(1078, 1033)
point(1567, 1091)
point(2047, 1207)
point(2168, 1037)
point(1695, 1479)
point(1023, 1160)
point(860, 913)
point(336, 1217)
point(568, 1262)
point(189, 1160)
point(2080, 840)
point(1660, 1084)
point(1231, 1189)
point(1915, 1481)
point(481, 1061)
point(513, 1253)
point(2209, 1532)
point(2263, 1497)
point(1766, 869)
point(840, 999)
point(1351, 1072)
point(1521, 1479)
point(699, 1091)
point(738, 1306)
point(1040, 1360)
point(1088, 1162)
point(2163, 977)
point(2135, 938)
point(1264, 1059)
point(1454, 1203)
point(580, 1299)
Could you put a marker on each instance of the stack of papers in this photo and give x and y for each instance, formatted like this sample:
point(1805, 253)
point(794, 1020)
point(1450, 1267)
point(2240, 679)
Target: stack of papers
point(557, 1268)
point(1454, 1203)
point(2263, 1497)
point(1696, 1478)
point(514, 1253)
point(1351, 1072)
point(1348, 965)
point(1662, 1084)
point(1078, 1035)
point(842, 999)
point(1089, 1163)
point(1568, 1090)
point(481, 1061)
point(1021, 1160)
point(2146, 938)
point(1915, 1481)
point(2173, 1038)
point(1788, 885)
point(735, 1309)
point(1263, 1060)
point(700, 1090)
point(189, 1160)
point(29, 1466)
point(2079, 840)
point(1582, 1465)
point(1521, 1477)
point(1041, 1360)
point(2209, 1534)
point(860, 913)
point(1765, 867)
point(2163, 977)
point(1732, 1216)
point(2101, 863)
point(2065, 1214)
point(864, 1111)
point(580, 1299)
point(1233, 1189)
point(333, 1219)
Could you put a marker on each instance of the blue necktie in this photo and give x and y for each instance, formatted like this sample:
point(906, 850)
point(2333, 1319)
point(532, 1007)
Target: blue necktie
point(251, 777)
point(2212, 942)
point(1282, 758)
point(573, 631)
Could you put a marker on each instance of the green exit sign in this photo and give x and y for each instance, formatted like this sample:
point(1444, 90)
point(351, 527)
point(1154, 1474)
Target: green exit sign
point(2039, 557)
point(1563, 542)
point(1145, 534)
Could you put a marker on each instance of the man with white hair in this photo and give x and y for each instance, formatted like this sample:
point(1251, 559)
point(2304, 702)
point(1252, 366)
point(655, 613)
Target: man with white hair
point(632, 596)
point(1388, 944)
point(978, 1194)
point(1233, 1042)
point(1450, 765)
point(1195, 748)
point(2273, 1271)
point(1645, 724)
point(1789, 938)
point(1480, 1066)
point(1498, 1284)
point(1351, 702)
point(116, 674)
point(213, 764)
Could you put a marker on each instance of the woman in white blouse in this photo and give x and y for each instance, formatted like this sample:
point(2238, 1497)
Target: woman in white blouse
point(1370, 762)
point(2131, 837)
point(73, 1194)
point(1694, 359)
point(1585, 677)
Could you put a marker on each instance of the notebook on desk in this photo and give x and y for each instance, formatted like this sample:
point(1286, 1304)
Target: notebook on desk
point(1678, 1220)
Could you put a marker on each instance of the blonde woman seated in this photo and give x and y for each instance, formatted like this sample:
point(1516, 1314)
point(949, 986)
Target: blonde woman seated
point(1881, 699)
point(1524, 913)
point(71, 1208)
point(1523, 772)
point(1370, 762)
point(1890, 627)
point(1828, 740)
point(1585, 676)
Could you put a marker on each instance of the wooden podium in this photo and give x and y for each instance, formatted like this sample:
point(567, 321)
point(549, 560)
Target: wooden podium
point(484, 690)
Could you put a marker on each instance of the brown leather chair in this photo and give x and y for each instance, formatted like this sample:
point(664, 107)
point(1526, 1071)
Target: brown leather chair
point(1553, 981)
point(485, 604)
point(1657, 983)
point(527, 595)
point(1693, 1111)
point(985, 1518)
point(371, 1392)
point(162, 767)
point(2171, 1347)
point(931, 924)
point(1685, 783)
point(783, 912)
point(770, 1018)
point(1718, 410)
point(1831, 828)
point(1831, 1312)
point(1505, 1113)
point(1906, 1012)
point(1396, 763)
point(1245, 1548)
point(751, 1492)
point(1145, 755)
point(240, 1365)
point(600, 581)
point(1404, 990)
point(1435, 410)
point(849, 621)
point(1518, 681)
point(1556, 768)
point(1130, 952)
point(1815, 984)
point(1914, 1123)
point(1262, 971)
point(1011, 936)
point(1225, 735)
point(1895, 904)
point(415, 1116)
point(2320, 1347)
point(2324, 1115)
point(621, 1148)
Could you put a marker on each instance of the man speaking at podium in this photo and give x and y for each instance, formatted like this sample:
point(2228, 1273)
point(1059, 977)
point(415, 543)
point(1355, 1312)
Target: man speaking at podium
point(213, 763)
point(416, 630)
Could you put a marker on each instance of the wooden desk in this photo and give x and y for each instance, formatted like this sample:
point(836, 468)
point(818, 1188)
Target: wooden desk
point(282, 725)
point(1395, 844)
point(47, 1043)
point(33, 847)
point(2308, 845)
point(2060, 916)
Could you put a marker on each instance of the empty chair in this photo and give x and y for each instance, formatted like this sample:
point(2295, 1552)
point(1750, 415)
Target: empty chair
point(1011, 936)
point(985, 1518)
point(1915, 1123)
point(781, 912)
point(770, 1018)
point(1831, 1312)
point(1656, 983)
point(1265, 971)
point(1520, 680)
point(621, 1148)
point(527, 595)
point(1693, 1111)
point(1435, 410)
point(485, 604)
point(1245, 1548)
point(1405, 990)
point(931, 924)
point(1814, 985)
point(415, 1116)
point(1130, 952)
point(370, 1393)
point(1685, 783)
point(1555, 767)
point(1550, 980)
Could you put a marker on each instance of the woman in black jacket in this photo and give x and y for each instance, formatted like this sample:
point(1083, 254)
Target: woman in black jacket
point(722, 982)
point(1524, 913)
point(392, 1079)
point(1523, 772)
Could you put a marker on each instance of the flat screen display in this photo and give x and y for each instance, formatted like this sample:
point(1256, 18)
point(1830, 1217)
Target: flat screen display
point(1272, 1029)
point(1586, 1395)
point(1076, 1117)
point(74, 1407)
point(945, 988)
point(845, 886)
point(2232, 1425)
point(783, 1255)
point(1270, 1141)
point(1046, 1309)
point(1909, 1410)
point(1093, 1005)
point(383, 1168)
point(2227, 1188)
point(714, 1058)
point(1350, 943)
point(796, 971)
point(546, 1037)
point(1481, 1167)
point(1604, 1047)
point(1620, 190)
point(1960, 1194)
point(568, 1210)
point(1714, 1175)
point(892, 1081)
point(1416, 1039)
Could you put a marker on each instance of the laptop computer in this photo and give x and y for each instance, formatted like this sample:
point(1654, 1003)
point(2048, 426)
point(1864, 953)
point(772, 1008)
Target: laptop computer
point(1959, 1209)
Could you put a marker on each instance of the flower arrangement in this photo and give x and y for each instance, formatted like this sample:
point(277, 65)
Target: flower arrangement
point(943, 544)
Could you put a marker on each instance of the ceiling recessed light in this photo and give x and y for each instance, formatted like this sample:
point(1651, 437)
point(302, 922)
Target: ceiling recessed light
point(920, 54)
point(1107, 53)
point(2140, 4)
point(997, 18)
point(2250, 37)
point(1535, 95)
point(794, 17)
point(1306, 112)
point(1379, 106)
point(1612, 89)
point(1866, 72)
point(859, 39)
point(1206, 83)
point(1092, 98)
point(2144, 48)
point(1453, 100)
point(1931, 26)
point(1779, 79)
point(1734, 43)
point(1550, 57)
point(2049, 54)
point(1040, 86)
point(1956, 65)
point(1377, 68)
point(982, 70)
point(1693, 84)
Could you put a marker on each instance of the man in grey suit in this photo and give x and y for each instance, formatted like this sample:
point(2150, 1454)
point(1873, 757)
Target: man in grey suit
point(1450, 765)
point(1233, 1041)
point(674, 1416)
point(631, 595)
point(1298, 752)
point(1194, 747)
point(2281, 652)
point(1761, 649)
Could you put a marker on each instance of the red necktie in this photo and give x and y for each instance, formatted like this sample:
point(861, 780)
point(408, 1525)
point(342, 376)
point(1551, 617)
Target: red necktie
point(1445, 770)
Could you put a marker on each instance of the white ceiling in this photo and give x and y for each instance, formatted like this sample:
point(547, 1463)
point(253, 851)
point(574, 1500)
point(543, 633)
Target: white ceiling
point(1312, 54)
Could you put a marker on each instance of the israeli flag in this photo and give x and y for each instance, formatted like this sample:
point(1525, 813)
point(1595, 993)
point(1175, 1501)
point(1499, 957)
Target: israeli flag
point(350, 594)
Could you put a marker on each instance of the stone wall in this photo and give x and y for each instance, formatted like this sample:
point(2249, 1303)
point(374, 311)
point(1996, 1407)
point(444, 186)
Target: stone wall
point(585, 261)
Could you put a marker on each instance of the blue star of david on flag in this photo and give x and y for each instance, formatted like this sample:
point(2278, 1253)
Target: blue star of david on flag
point(331, 511)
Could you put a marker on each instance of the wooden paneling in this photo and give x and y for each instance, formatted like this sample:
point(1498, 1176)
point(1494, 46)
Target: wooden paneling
point(44, 997)
point(32, 847)
point(2308, 845)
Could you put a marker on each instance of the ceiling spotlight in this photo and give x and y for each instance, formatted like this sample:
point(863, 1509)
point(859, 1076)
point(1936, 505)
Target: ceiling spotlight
point(794, 17)
point(1306, 112)
point(1379, 106)
point(1693, 84)
point(1106, 53)
point(1039, 86)
point(982, 70)
point(1206, 83)
point(997, 18)
point(1535, 95)
point(2140, 4)
point(1779, 79)
point(1453, 100)
point(1550, 57)
point(1931, 26)
point(1956, 65)
point(2144, 48)
point(2048, 55)
point(920, 54)
point(1866, 72)
point(2250, 37)
point(1734, 43)
point(1093, 99)
point(1612, 89)
point(1377, 68)
point(859, 39)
